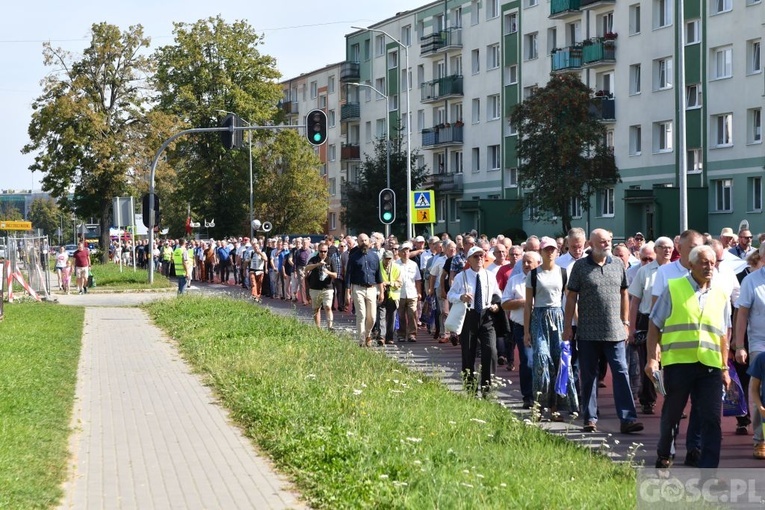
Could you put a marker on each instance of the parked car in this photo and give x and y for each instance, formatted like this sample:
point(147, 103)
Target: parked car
point(70, 249)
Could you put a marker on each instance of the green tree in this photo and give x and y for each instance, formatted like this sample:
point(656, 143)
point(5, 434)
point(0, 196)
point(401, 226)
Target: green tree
point(212, 68)
point(360, 199)
point(561, 147)
point(46, 215)
point(290, 191)
point(83, 127)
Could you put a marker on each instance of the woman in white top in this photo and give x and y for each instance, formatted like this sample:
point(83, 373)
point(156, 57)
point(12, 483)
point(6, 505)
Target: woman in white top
point(62, 259)
point(543, 324)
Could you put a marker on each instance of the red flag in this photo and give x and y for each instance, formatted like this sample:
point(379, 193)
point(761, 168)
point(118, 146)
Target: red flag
point(188, 225)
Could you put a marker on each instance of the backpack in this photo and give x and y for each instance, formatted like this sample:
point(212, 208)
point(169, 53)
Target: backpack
point(563, 275)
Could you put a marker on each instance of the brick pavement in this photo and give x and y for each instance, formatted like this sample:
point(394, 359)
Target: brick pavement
point(148, 434)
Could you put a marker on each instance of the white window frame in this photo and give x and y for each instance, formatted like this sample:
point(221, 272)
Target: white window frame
point(723, 195)
point(494, 157)
point(636, 76)
point(575, 208)
point(314, 89)
point(332, 185)
point(459, 162)
point(754, 56)
point(606, 207)
point(406, 35)
point(475, 61)
point(636, 140)
point(663, 13)
point(635, 21)
point(476, 159)
point(512, 177)
point(530, 43)
point(512, 74)
point(493, 107)
point(511, 22)
point(663, 137)
point(694, 161)
point(755, 193)
point(720, 7)
point(754, 125)
point(379, 45)
point(692, 32)
point(475, 114)
point(493, 58)
point(492, 9)
point(723, 130)
point(722, 62)
point(693, 96)
point(663, 74)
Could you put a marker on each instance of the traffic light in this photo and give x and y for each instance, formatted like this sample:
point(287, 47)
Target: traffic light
point(231, 139)
point(387, 206)
point(316, 127)
point(145, 210)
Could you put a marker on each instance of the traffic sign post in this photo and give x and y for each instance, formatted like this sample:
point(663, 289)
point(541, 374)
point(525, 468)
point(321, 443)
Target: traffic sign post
point(15, 225)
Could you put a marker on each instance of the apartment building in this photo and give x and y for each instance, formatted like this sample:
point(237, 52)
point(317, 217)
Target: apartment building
point(680, 88)
point(320, 89)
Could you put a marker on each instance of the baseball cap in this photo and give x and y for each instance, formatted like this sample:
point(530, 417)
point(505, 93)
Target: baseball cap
point(547, 242)
point(406, 246)
point(419, 239)
point(639, 234)
point(475, 249)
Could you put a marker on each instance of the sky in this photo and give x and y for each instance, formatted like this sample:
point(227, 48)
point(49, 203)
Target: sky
point(302, 35)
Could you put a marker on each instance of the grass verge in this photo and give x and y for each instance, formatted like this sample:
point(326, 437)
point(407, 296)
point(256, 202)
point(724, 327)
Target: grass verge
point(109, 276)
point(39, 351)
point(355, 429)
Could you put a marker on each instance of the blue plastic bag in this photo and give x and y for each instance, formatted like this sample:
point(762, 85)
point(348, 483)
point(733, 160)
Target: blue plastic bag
point(561, 380)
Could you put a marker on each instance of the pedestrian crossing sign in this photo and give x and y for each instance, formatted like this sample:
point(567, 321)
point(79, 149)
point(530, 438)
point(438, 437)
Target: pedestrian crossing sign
point(423, 206)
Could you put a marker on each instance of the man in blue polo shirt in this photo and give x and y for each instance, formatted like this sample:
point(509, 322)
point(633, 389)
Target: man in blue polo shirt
point(364, 278)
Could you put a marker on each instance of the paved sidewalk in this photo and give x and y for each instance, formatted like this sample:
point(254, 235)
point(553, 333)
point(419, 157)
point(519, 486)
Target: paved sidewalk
point(148, 434)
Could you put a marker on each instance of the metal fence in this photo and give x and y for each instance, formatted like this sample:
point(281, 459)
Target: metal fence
point(26, 266)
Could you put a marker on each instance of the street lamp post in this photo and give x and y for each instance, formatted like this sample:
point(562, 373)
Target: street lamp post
point(387, 139)
point(408, 127)
point(249, 142)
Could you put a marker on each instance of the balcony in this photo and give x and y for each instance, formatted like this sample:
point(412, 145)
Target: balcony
point(603, 107)
point(442, 88)
point(350, 72)
point(561, 9)
point(443, 40)
point(443, 183)
point(566, 59)
point(350, 152)
point(592, 4)
point(350, 111)
point(442, 136)
point(599, 51)
point(290, 107)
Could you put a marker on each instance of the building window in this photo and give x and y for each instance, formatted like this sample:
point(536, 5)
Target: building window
point(635, 77)
point(420, 119)
point(695, 163)
point(512, 177)
point(552, 39)
point(355, 52)
point(492, 9)
point(332, 186)
point(475, 61)
point(495, 159)
point(367, 50)
point(754, 56)
point(379, 45)
point(722, 60)
point(693, 32)
point(636, 140)
point(392, 60)
point(314, 89)
point(380, 128)
point(532, 211)
point(331, 118)
point(441, 210)
point(492, 56)
point(575, 207)
point(531, 3)
point(662, 13)
point(512, 128)
point(610, 138)
point(634, 19)
point(723, 130)
point(331, 152)
point(606, 202)
point(512, 75)
point(662, 73)
point(511, 23)
point(457, 17)
point(368, 131)
point(723, 195)
point(476, 153)
point(494, 110)
point(530, 42)
point(755, 193)
point(720, 6)
point(476, 111)
point(322, 101)
point(333, 221)
point(406, 35)
point(379, 85)
point(663, 136)
point(475, 13)
point(458, 162)
point(693, 96)
point(754, 123)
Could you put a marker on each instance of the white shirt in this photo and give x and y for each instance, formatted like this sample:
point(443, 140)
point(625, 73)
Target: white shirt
point(666, 273)
point(436, 268)
point(464, 283)
point(515, 289)
point(642, 285)
point(494, 267)
point(410, 274)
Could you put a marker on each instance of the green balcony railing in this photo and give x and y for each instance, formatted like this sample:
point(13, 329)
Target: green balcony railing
point(599, 50)
point(441, 87)
point(440, 135)
point(566, 58)
point(350, 111)
point(558, 7)
point(449, 38)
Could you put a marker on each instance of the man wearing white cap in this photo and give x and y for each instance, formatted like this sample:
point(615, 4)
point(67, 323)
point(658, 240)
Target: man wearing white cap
point(479, 291)
point(410, 294)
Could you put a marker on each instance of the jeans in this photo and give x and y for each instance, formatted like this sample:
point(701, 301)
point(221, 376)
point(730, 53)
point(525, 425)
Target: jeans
point(525, 357)
point(614, 353)
point(181, 284)
point(704, 386)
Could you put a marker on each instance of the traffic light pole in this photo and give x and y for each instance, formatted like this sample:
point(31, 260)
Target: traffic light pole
point(165, 144)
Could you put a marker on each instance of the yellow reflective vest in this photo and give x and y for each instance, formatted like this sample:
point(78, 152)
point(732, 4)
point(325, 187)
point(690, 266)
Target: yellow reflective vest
point(180, 270)
point(393, 279)
point(690, 334)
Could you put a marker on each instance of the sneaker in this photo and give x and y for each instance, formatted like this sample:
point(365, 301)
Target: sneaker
point(648, 408)
point(590, 426)
point(741, 430)
point(630, 427)
point(501, 361)
point(411, 338)
point(455, 339)
point(663, 463)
